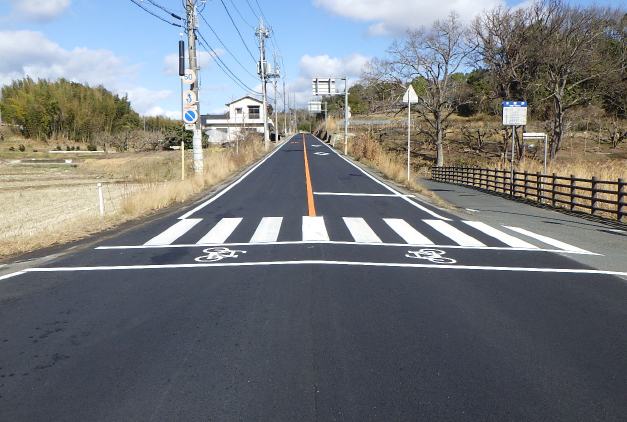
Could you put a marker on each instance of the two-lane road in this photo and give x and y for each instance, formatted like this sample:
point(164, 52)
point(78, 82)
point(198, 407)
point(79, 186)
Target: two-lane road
point(307, 290)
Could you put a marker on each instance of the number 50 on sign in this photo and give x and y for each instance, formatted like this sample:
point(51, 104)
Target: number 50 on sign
point(189, 77)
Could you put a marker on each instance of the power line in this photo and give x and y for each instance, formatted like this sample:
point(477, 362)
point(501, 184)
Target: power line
point(226, 48)
point(240, 14)
point(237, 29)
point(203, 42)
point(153, 14)
point(164, 9)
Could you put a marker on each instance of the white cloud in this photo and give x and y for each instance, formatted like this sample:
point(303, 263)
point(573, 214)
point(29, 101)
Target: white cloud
point(37, 57)
point(325, 67)
point(40, 11)
point(159, 111)
point(205, 61)
point(395, 17)
point(143, 100)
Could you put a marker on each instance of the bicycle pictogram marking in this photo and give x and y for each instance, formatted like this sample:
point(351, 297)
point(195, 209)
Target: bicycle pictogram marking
point(217, 254)
point(433, 255)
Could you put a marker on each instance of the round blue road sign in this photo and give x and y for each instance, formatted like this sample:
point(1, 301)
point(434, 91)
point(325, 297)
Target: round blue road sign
point(190, 116)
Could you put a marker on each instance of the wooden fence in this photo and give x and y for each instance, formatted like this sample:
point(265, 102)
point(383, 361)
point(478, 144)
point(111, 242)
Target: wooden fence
point(597, 197)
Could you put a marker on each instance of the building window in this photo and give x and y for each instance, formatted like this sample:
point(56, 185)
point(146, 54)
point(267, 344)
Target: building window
point(254, 112)
point(238, 110)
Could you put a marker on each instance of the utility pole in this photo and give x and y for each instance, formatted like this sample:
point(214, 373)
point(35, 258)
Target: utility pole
point(346, 115)
point(263, 33)
point(276, 118)
point(192, 25)
point(284, 109)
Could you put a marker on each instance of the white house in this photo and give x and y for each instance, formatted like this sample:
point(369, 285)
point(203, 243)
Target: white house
point(244, 114)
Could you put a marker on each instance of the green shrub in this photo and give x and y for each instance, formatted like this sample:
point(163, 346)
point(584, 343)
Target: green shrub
point(22, 148)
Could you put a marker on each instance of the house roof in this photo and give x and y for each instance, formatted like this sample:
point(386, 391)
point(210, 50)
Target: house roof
point(209, 117)
point(245, 97)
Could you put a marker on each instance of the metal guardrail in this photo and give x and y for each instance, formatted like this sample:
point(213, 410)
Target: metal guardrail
point(596, 197)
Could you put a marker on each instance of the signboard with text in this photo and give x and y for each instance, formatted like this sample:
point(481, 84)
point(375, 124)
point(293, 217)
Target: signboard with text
point(323, 86)
point(514, 113)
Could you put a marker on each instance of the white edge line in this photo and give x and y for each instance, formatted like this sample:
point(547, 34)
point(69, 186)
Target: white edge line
point(331, 242)
point(322, 262)
point(405, 197)
point(228, 188)
point(6, 276)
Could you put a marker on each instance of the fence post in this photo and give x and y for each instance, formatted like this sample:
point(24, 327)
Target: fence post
point(621, 200)
point(595, 195)
point(573, 189)
point(100, 199)
point(539, 187)
point(553, 190)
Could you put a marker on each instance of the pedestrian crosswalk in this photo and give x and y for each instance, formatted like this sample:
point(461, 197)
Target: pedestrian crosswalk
point(390, 231)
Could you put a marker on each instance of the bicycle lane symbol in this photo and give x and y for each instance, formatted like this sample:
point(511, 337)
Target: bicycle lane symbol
point(217, 254)
point(433, 255)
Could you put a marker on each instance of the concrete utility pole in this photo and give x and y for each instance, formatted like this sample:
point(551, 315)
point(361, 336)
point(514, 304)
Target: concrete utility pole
point(263, 33)
point(284, 109)
point(346, 115)
point(276, 116)
point(192, 25)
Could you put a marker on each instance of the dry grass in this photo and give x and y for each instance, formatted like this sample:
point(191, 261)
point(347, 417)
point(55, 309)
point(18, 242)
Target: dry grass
point(393, 165)
point(41, 207)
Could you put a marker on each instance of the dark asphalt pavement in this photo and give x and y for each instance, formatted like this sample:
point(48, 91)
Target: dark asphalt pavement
point(376, 306)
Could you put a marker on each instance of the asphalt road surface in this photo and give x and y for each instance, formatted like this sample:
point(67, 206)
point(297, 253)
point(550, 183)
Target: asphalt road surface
point(308, 290)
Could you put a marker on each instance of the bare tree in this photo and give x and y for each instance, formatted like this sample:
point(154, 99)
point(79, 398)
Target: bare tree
point(430, 56)
point(501, 38)
point(571, 46)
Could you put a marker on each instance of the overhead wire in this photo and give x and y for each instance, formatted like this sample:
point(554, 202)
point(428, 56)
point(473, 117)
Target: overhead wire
point(154, 14)
point(238, 31)
point(164, 9)
point(226, 48)
point(240, 15)
point(203, 42)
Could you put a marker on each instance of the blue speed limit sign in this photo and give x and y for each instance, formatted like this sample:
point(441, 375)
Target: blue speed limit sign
point(190, 116)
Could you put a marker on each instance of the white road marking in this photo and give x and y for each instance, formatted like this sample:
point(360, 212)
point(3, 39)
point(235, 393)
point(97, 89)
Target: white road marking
point(503, 237)
point(407, 232)
point(453, 233)
point(314, 229)
point(232, 185)
point(333, 242)
point(268, 230)
point(321, 262)
point(405, 197)
point(220, 232)
point(174, 232)
point(547, 240)
point(361, 231)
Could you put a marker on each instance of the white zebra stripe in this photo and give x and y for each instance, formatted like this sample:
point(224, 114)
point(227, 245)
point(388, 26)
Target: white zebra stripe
point(220, 232)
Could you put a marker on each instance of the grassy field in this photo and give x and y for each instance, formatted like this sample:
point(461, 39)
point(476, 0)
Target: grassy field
point(49, 203)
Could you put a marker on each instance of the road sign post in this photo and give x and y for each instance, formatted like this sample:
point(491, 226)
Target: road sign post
point(530, 135)
point(409, 98)
point(514, 114)
point(326, 86)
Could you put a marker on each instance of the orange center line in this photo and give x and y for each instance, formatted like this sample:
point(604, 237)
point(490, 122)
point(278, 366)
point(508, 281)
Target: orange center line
point(310, 197)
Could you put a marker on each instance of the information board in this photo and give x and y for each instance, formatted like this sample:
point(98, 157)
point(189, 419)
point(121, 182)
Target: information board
point(514, 113)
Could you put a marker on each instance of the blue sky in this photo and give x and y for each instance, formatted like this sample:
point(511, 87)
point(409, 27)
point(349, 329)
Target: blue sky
point(116, 44)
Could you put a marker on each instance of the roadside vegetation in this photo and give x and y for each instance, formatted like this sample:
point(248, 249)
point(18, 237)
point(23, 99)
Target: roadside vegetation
point(46, 201)
point(569, 63)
